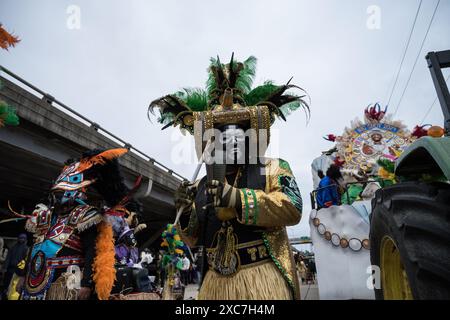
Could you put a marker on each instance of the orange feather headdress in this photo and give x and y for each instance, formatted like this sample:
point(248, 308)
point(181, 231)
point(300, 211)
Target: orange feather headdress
point(101, 158)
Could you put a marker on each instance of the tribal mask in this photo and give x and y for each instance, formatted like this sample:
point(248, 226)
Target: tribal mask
point(71, 185)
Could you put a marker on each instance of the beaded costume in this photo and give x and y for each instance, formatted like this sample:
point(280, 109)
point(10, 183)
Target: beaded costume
point(244, 227)
point(67, 232)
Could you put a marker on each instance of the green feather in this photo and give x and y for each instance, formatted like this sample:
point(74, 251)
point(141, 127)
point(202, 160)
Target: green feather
point(241, 76)
point(290, 107)
point(244, 80)
point(195, 98)
point(260, 93)
point(211, 84)
point(165, 118)
point(246, 76)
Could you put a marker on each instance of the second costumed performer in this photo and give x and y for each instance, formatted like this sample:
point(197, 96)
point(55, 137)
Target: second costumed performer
point(239, 216)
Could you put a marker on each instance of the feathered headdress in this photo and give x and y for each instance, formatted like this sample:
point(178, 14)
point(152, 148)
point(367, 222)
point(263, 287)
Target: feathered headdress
point(228, 88)
point(95, 167)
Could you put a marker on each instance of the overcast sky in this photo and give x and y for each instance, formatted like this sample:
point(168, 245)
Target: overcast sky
point(127, 53)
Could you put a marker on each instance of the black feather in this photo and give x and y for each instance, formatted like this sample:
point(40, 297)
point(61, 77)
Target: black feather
point(109, 181)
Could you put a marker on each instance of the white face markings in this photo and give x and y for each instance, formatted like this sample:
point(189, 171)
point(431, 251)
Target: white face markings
point(233, 141)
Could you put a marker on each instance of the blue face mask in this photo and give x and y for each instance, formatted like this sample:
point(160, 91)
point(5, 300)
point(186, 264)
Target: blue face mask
point(74, 197)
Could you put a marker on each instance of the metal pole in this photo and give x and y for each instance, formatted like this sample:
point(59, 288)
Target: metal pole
point(436, 61)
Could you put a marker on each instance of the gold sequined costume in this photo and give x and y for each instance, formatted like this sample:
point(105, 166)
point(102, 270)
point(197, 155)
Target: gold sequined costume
point(247, 254)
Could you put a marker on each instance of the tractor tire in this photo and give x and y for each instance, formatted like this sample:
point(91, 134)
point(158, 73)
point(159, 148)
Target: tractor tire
point(415, 217)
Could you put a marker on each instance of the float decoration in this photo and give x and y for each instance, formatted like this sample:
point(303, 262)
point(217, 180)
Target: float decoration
point(172, 260)
point(363, 143)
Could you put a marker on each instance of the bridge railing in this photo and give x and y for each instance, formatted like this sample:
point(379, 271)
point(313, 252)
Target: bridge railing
point(50, 99)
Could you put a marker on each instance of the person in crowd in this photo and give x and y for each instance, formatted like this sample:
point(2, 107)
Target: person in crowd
point(185, 270)
point(320, 174)
point(328, 191)
point(3, 255)
point(301, 267)
point(17, 253)
point(312, 269)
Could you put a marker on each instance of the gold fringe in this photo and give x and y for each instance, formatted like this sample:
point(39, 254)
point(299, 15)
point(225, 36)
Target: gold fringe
point(167, 293)
point(95, 220)
point(262, 282)
point(136, 296)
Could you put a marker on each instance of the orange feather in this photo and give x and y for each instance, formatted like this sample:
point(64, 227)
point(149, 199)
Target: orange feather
point(103, 266)
point(7, 39)
point(101, 158)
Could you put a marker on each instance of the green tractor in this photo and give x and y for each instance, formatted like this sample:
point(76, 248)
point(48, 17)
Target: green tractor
point(410, 222)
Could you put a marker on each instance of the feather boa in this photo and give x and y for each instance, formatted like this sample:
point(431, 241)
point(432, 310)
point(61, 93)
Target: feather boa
point(104, 271)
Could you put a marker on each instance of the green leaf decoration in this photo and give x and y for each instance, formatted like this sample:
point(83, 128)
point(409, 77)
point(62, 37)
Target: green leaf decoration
point(387, 164)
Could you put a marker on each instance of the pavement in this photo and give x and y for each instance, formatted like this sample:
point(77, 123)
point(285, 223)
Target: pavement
point(309, 292)
point(191, 292)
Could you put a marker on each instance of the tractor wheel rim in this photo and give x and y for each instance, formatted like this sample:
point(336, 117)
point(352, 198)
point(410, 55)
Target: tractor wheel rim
point(394, 280)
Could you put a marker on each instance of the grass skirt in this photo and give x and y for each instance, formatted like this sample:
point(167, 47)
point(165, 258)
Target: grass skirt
point(260, 282)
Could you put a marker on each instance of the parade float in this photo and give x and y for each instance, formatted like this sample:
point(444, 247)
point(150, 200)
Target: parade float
point(388, 237)
point(364, 154)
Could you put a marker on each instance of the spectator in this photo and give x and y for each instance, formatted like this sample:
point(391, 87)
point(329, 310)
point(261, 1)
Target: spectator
point(312, 269)
point(327, 194)
point(193, 273)
point(3, 255)
point(320, 174)
point(17, 253)
point(185, 270)
point(301, 268)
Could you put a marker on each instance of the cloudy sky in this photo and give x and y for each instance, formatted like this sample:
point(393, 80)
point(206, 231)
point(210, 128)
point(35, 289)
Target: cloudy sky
point(119, 55)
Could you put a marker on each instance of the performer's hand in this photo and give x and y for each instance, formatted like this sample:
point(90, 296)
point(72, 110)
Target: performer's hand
point(84, 293)
point(185, 194)
point(223, 194)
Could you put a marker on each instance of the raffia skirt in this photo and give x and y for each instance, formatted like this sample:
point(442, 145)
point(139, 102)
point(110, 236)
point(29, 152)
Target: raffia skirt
point(260, 282)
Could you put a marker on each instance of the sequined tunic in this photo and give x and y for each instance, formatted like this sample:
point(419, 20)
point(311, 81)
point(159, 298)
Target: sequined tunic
point(60, 242)
point(270, 201)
